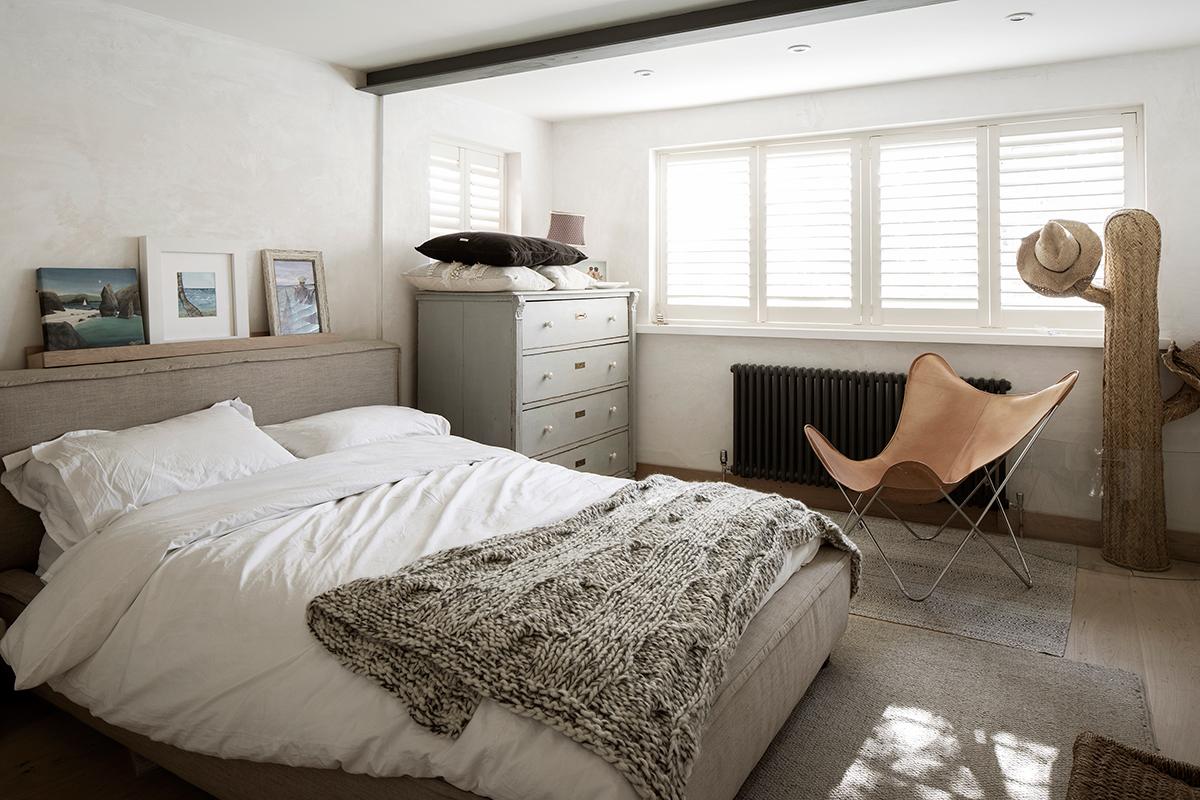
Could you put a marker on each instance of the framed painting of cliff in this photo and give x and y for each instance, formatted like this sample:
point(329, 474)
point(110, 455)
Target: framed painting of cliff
point(90, 307)
point(294, 282)
point(195, 289)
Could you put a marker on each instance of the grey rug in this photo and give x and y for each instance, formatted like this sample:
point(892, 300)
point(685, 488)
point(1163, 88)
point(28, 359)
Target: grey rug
point(905, 713)
point(979, 598)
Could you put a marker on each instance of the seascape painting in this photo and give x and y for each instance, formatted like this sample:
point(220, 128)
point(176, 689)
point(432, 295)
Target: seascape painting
point(197, 294)
point(89, 307)
point(296, 297)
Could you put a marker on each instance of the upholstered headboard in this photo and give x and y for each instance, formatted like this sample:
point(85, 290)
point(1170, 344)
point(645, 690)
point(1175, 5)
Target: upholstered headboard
point(282, 384)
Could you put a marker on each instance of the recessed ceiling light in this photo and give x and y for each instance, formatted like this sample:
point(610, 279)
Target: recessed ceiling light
point(1020, 16)
point(799, 48)
point(643, 73)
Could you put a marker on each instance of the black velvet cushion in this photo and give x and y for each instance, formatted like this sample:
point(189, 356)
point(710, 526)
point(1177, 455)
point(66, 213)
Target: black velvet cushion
point(500, 250)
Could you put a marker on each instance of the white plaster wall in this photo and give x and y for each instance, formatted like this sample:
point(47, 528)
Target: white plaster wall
point(115, 123)
point(409, 122)
point(602, 169)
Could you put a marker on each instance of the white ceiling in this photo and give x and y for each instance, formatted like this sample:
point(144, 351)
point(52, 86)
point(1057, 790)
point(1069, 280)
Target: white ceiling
point(950, 38)
point(366, 34)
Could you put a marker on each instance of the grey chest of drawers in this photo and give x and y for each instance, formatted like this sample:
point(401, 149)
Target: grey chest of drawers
point(548, 374)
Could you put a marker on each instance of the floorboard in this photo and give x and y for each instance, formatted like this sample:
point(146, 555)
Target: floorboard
point(1167, 614)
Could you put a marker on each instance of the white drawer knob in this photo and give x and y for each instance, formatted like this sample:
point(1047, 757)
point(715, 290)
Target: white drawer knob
point(612, 319)
point(549, 323)
point(549, 376)
point(612, 456)
point(612, 365)
point(612, 409)
point(548, 429)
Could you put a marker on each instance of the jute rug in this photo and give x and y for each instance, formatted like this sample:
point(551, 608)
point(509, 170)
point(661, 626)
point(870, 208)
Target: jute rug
point(979, 598)
point(903, 713)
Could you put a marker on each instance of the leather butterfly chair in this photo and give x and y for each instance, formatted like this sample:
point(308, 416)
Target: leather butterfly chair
point(947, 430)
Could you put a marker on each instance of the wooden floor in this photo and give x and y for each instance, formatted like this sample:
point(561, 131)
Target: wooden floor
point(1144, 623)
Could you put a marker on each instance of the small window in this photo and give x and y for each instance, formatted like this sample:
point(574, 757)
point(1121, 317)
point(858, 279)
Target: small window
point(466, 190)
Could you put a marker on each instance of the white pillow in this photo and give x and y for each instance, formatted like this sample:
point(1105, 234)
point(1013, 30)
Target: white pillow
point(83, 480)
point(350, 427)
point(454, 277)
point(567, 278)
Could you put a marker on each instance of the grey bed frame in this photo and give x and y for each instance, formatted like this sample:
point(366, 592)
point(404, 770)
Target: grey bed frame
point(783, 649)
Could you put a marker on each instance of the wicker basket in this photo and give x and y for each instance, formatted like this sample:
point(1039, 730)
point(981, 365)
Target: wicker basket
point(1107, 770)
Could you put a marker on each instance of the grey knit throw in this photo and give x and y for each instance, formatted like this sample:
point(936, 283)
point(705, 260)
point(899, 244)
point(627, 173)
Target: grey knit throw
point(613, 626)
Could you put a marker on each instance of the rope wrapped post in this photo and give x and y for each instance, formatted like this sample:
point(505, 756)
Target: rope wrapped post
point(1059, 261)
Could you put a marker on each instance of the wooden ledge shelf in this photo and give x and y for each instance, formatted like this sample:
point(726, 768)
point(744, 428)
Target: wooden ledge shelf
point(37, 358)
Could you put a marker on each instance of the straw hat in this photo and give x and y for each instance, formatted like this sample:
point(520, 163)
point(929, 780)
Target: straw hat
point(1184, 363)
point(1060, 259)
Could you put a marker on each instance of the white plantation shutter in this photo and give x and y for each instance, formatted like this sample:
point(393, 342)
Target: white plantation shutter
point(908, 228)
point(445, 190)
point(1066, 170)
point(808, 229)
point(927, 225)
point(485, 198)
point(707, 224)
point(466, 190)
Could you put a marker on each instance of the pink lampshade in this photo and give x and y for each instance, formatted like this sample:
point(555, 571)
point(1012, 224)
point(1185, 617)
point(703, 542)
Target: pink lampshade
point(566, 228)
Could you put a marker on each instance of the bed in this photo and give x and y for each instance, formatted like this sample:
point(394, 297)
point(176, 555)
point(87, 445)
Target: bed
point(783, 648)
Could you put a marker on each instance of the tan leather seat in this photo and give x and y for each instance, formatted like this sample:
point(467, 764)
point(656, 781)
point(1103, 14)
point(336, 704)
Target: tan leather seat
point(947, 430)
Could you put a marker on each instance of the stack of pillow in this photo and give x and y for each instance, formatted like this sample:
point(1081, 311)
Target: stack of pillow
point(84, 480)
point(480, 261)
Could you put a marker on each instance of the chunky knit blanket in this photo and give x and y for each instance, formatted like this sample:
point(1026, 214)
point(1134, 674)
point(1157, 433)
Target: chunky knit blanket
point(613, 626)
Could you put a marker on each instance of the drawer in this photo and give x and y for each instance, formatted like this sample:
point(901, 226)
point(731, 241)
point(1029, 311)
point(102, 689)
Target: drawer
point(609, 456)
point(548, 323)
point(561, 424)
point(570, 371)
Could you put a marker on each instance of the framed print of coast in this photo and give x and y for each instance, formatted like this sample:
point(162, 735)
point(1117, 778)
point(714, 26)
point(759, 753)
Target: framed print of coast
point(195, 289)
point(89, 307)
point(294, 283)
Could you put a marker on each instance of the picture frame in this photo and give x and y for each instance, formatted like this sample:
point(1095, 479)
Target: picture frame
point(294, 284)
point(194, 289)
point(596, 268)
point(90, 307)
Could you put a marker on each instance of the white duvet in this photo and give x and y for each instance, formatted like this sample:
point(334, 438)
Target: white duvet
point(184, 620)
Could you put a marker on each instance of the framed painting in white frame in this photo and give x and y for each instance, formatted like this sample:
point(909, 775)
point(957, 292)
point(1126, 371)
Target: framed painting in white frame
point(194, 289)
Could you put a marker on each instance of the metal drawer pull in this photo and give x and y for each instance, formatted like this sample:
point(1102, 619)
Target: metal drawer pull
point(549, 376)
point(612, 319)
point(579, 462)
point(612, 409)
point(580, 315)
point(612, 365)
point(548, 429)
point(612, 456)
point(581, 413)
point(580, 365)
point(548, 323)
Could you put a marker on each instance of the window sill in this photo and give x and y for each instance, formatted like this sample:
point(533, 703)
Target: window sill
point(1037, 338)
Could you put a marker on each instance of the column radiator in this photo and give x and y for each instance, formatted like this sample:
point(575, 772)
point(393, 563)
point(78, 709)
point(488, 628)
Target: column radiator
point(857, 411)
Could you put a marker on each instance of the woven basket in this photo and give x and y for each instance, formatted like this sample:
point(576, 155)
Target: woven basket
point(1107, 770)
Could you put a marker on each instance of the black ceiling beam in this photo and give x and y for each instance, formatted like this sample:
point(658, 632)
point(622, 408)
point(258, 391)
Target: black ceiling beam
point(675, 30)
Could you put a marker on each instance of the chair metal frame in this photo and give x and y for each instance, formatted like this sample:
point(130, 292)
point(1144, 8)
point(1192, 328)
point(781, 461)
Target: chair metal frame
point(857, 517)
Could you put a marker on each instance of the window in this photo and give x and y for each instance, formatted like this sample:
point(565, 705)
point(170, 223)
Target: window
point(466, 190)
point(907, 229)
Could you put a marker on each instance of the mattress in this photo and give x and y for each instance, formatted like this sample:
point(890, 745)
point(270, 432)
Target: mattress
point(781, 652)
point(197, 640)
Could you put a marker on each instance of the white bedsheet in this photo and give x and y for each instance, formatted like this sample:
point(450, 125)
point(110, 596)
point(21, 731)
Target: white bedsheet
point(184, 620)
